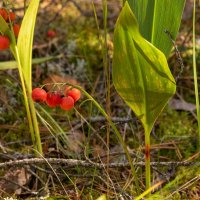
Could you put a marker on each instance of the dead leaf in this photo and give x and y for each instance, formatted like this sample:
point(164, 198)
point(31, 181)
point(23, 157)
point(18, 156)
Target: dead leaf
point(76, 141)
point(13, 181)
point(58, 79)
point(177, 104)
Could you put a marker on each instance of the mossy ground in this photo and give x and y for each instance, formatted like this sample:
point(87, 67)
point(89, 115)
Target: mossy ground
point(174, 138)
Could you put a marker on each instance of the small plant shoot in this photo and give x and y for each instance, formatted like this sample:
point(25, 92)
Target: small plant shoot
point(140, 74)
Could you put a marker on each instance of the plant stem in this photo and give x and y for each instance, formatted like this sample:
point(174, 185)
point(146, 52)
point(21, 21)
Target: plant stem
point(107, 72)
point(25, 97)
point(147, 160)
point(195, 73)
point(36, 127)
point(107, 76)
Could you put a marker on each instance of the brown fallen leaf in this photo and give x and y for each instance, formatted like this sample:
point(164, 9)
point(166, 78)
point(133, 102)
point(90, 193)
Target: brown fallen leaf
point(58, 79)
point(76, 141)
point(13, 181)
point(178, 104)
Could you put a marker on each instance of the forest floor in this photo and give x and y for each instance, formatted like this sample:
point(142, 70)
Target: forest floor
point(80, 135)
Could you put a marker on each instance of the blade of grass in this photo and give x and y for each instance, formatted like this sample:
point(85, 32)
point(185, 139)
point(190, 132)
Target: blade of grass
point(146, 192)
point(25, 97)
point(13, 64)
point(95, 16)
point(195, 71)
point(107, 76)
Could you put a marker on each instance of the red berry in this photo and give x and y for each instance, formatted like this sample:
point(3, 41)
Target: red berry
point(16, 28)
point(4, 13)
point(38, 94)
point(51, 33)
point(4, 42)
point(73, 92)
point(67, 103)
point(53, 99)
point(12, 16)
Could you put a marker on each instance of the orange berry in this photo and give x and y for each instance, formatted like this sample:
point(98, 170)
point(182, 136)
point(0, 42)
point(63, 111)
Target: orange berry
point(16, 28)
point(67, 103)
point(53, 99)
point(4, 13)
point(12, 16)
point(4, 42)
point(73, 92)
point(38, 94)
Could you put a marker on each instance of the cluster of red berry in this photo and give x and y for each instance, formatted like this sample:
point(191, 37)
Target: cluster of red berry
point(9, 17)
point(53, 99)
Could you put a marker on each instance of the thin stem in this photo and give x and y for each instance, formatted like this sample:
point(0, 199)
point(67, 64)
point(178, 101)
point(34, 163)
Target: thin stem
point(95, 16)
point(147, 160)
point(106, 70)
point(35, 125)
point(24, 7)
point(195, 72)
point(107, 76)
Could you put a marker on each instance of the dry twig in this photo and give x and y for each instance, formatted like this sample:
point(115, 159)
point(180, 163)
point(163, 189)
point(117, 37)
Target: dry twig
point(84, 163)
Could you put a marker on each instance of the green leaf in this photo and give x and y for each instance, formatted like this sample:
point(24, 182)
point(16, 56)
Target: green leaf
point(140, 71)
point(25, 42)
point(13, 64)
point(155, 16)
point(3, 25)
point(102, 197)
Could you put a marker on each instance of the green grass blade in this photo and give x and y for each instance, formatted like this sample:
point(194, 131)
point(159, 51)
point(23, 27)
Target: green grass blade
point(25, 42)
point(24, 49)
point(195, 71)
point(13, 64)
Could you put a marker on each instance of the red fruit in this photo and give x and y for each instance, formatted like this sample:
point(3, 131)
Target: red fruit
point(16, 28)
point(38, 94)
point(12, 16)
point(51, 33)
point(4, 42)
point(53, 99)
point(73, 92)
point(4, 13)
point(67, 103)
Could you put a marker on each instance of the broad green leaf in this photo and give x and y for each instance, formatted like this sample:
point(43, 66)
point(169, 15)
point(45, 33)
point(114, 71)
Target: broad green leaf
point(156, 16)
point(140, 71)
point(25, 41)
point(13, 64)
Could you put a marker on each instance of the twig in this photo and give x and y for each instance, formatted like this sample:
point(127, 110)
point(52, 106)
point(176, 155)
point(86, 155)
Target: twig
point(83, 163)
point(178, 55)
point(94, 119)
